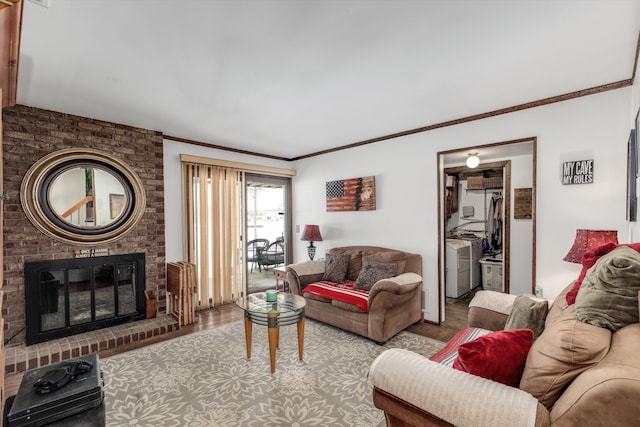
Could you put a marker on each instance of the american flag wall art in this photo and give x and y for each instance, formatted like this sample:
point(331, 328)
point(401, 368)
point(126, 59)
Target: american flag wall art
point(355, 194)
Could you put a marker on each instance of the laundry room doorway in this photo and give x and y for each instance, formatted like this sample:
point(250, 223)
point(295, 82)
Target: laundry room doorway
point(476, 230)
point(491, 206)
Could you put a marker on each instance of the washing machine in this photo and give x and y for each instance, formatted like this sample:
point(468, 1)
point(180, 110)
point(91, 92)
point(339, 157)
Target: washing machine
point(476, 254)
point(458, 268)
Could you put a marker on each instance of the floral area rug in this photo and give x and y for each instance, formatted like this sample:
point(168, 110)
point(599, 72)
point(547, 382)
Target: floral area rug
point(204, 379)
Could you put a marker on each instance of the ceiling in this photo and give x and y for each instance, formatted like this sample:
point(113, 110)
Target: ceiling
point(288, 78)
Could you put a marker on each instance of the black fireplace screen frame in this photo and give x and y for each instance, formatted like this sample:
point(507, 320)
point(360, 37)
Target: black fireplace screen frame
point(50, 287)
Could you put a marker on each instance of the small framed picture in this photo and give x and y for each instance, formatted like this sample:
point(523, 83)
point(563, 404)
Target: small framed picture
point(116, 204)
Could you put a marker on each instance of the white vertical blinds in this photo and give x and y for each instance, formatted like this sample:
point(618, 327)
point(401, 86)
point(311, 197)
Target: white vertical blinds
point(213, 212)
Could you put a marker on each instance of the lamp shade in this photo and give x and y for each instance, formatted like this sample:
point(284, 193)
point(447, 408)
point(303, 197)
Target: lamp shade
point(587, 240)
point(311, 233)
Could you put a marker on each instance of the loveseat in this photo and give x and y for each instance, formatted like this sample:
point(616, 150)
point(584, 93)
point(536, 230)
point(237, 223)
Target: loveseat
point(574, 374)
point(388, 306)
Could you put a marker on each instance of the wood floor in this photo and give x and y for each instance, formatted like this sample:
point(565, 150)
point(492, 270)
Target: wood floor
point(456, 320)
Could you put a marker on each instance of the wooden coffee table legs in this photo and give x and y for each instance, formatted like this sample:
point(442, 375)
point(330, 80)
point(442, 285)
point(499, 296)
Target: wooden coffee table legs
point(274, 332)
point(247, 335)
point(274, 338)
point(300, 337)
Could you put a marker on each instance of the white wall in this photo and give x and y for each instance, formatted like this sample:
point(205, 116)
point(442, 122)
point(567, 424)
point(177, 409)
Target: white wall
point(594, 127)
point(477, 199)
point(173, 189)
point(520, 265)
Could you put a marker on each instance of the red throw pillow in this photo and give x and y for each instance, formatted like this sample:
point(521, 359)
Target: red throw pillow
point(498, 356)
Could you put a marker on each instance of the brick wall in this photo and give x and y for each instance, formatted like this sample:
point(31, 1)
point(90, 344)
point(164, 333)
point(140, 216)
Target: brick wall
point(31, 133)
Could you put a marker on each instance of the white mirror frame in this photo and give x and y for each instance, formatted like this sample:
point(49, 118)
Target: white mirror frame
point(37, 175)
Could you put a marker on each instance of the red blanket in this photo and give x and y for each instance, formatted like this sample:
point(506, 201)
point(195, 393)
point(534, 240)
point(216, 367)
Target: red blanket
point(340, 292)
point(448, 354)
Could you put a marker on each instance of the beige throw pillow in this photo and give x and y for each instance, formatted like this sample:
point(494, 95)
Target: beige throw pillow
point(566, 348)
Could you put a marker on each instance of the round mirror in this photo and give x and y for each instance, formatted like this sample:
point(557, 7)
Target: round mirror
point(82, 197)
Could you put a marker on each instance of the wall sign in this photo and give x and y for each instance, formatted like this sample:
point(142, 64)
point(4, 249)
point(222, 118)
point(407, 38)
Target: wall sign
point(523, 203)
point(577, 172)
point(355, 194)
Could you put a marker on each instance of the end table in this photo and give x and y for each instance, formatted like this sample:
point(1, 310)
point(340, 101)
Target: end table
point(281, 274)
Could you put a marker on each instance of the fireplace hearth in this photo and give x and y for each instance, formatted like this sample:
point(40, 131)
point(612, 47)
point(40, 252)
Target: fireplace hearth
point(71, 296)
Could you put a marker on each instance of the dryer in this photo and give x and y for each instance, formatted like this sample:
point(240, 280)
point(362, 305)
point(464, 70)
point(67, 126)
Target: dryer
point(458, 266)
point(476, 255)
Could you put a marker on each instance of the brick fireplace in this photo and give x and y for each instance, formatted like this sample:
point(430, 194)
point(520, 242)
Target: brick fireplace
point(31, 133)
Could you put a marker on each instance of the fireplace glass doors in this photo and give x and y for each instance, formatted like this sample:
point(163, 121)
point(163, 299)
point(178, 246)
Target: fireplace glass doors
point(66, 297)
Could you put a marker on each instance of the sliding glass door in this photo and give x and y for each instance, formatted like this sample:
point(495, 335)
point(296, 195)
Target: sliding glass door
point(267, 230)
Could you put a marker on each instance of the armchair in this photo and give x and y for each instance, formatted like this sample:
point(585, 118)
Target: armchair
point(594, 373)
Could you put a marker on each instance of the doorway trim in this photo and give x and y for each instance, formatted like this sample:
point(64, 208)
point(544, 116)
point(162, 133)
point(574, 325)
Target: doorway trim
point(441, 182)
point(505, 166)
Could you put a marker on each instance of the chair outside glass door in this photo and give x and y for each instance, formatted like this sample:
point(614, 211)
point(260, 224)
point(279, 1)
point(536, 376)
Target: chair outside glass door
point(267, 229)
point(255, 248)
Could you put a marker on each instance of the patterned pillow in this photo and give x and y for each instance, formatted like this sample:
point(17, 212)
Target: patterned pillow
point(396, 257)
point(373, 271)
point(336, 267)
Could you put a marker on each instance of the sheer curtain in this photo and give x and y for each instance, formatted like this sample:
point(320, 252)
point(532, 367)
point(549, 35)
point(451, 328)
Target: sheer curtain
point(213, 212)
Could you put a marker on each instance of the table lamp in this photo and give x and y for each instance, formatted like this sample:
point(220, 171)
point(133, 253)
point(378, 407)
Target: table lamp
point(587, 240)
point(311, 233)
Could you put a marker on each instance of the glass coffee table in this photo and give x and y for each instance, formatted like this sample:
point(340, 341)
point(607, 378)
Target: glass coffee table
point(286, 310)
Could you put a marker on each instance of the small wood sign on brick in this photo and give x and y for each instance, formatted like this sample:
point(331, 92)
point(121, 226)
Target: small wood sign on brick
point(577, 172)
point(523, 204)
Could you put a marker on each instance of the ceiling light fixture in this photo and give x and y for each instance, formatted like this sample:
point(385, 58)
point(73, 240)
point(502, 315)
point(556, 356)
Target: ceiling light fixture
point(473, 160)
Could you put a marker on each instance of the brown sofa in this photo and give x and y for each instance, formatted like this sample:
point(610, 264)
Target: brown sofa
point(593, 372)
point(393, 304)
